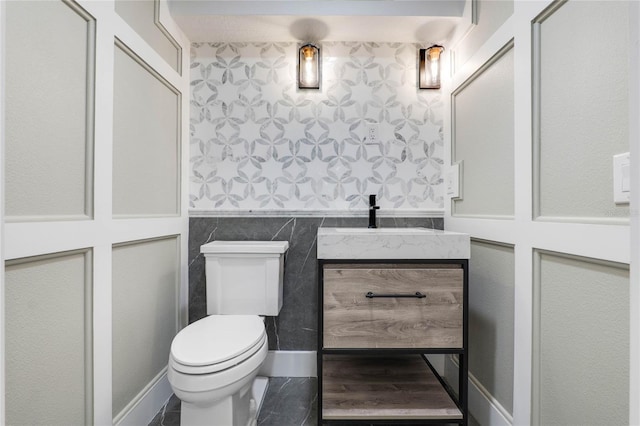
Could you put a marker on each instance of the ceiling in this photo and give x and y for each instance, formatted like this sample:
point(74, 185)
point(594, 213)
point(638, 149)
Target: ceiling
point(420, 21)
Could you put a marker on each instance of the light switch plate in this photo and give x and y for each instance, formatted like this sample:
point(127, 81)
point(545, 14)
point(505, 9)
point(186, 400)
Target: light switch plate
point(453, 180)
point(372, 134)
point(621, 178)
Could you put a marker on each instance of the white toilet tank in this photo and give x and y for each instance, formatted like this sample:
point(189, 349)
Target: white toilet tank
point(244, 277)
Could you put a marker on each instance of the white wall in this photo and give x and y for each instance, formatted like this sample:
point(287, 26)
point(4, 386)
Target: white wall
point(634, 142)
point(74, 247)
point(2, 208)
point(564, 224)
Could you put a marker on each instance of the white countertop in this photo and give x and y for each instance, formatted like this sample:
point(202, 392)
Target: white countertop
point(391, 243)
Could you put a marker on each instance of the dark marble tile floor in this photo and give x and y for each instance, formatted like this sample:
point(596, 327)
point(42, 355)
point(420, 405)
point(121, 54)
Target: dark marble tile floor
point(290, 401)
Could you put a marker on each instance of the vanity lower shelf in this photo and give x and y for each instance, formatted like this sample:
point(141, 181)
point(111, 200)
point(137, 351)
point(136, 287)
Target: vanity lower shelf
point(400, 387)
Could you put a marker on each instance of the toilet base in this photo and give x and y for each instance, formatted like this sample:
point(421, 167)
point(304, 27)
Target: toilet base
point(239, 409)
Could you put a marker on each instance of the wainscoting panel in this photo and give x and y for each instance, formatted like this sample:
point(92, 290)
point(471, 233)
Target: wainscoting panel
point(584, 106)
point(482, 139)
point(143, 17)
point(491, 301)
point(146, 141)
point(145, 314)
point(49, 111)
point(581, 343)
point(49, 340)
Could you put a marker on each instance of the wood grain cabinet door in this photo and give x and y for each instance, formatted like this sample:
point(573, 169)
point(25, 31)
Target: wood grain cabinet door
point(353, 320)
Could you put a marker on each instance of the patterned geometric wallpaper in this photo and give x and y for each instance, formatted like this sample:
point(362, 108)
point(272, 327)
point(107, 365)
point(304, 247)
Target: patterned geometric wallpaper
point(258, 143)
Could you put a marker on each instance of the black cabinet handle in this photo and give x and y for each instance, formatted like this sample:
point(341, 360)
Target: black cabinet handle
point(417, 295)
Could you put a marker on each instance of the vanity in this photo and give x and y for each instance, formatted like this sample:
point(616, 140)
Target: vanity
point(390, 299)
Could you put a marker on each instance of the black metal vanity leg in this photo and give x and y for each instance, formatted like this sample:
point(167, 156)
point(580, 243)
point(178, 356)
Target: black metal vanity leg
point(319, 342)
point(463, 378)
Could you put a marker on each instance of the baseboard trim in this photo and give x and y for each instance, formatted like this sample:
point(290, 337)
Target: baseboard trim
point(484, 407)
point(142, 409)
point(289, 364)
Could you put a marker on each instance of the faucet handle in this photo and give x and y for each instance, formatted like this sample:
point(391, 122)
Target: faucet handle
point(372, 200)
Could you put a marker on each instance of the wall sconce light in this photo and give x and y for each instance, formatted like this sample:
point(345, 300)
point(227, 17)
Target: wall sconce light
point(429, 67)
point(309, 67)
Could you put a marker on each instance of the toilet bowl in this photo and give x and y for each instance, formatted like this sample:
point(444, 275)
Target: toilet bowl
point(213, 362)
point(213, 380)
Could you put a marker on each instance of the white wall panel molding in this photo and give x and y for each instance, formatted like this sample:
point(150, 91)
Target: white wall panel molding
point(143, 17)
point(580, 121)
point(462, 31)
point(145, 228)
point(486, 18)
point(150, 57)
point(147, 140)
point(491, 311)
point(163, 18)
point(634, 145)
point(608, 241)
point(483, 141)
point(161, 10)
point(489, 229)
point(49, 331)
point(580, 308)
point(143, 271)
point(38, 238)
point(598, 241)
point(494, 44)
point(2, 245)
point(49, 75)
point(98, 233)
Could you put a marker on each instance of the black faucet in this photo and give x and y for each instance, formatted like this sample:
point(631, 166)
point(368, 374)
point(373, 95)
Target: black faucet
point(372, 211)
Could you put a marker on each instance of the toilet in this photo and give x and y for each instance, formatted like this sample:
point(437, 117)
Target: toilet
point(214, 361)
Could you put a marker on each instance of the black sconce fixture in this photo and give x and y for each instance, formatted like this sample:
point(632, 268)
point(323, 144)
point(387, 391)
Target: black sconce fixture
point(429, 67)
point(309, 67)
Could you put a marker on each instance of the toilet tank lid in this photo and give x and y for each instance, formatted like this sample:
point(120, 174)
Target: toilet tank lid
point(245, 247)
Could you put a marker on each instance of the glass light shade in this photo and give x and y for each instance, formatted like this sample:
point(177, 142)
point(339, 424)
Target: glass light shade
point(429, 67)
point(309, 67)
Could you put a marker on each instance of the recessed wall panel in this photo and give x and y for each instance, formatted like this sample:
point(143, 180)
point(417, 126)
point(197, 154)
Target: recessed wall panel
point(583, 74)
point(145, 314)
point(491, 316)
point(142, 16)
point(49, 108)
point(146, 143)
point(582, 344)
point(48, 340)
point(483, 139)
point(490, 15)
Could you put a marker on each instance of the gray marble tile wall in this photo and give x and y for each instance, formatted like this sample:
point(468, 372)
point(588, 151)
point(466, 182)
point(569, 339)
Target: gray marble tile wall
point(295, 328)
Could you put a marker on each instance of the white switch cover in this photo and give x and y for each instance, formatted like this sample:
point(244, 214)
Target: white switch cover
point(453, 181)
point(621, 178)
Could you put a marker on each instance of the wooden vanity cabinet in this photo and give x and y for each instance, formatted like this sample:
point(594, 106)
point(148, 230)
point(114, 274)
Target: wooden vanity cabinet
point(377, 321)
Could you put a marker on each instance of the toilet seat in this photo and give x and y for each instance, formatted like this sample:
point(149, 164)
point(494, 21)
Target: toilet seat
point(216, 343)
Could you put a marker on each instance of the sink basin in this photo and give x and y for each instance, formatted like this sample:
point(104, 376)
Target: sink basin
point(391, 243)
